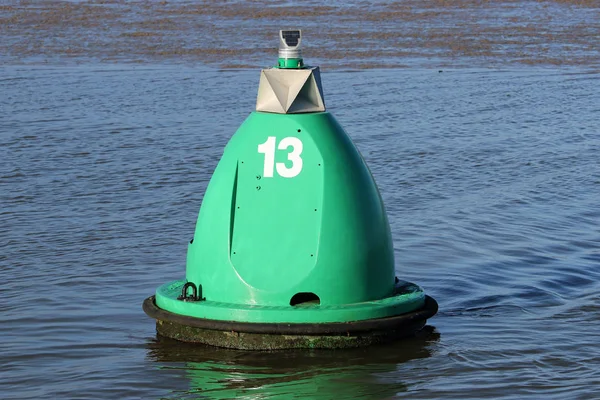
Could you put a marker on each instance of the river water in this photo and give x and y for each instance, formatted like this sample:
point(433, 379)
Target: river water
point(488, 167)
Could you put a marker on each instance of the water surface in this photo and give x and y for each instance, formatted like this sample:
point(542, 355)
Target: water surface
point(490, 177)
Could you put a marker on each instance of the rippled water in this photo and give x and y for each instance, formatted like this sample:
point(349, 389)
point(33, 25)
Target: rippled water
point(491, 179)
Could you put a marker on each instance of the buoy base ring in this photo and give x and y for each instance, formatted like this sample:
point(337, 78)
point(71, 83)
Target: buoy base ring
point(277, 336)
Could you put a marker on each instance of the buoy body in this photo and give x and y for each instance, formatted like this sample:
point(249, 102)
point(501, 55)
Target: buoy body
point(291, 208)
point(292, 246)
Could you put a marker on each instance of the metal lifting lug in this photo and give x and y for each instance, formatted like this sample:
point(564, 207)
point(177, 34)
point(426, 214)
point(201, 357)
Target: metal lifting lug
point(194, 296)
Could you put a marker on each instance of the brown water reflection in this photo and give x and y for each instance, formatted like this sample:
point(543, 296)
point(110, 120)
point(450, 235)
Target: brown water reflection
point(355, 34)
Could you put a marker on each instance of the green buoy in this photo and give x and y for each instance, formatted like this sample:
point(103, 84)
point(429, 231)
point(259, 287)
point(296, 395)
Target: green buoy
point(292, 247)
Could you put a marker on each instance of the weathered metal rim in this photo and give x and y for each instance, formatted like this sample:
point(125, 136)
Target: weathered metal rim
point(397, 322)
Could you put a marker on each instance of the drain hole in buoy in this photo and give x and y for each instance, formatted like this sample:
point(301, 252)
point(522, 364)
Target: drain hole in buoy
point(305, 298)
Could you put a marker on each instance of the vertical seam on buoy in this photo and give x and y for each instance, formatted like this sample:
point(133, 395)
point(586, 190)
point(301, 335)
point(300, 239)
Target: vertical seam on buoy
point(233, 205)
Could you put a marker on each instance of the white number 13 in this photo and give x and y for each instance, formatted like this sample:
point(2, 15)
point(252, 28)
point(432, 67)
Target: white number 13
point(268, 149)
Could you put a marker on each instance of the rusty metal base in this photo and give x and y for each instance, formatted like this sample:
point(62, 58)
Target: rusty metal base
point(253, 336)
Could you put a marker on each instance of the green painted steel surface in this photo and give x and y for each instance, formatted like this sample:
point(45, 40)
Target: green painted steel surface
point(407, 297)
point(290, 63)
point(308, 220)
point(291, 208)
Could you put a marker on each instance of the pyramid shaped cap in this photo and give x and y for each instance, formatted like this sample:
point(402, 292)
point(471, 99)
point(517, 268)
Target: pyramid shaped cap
point(290, 91)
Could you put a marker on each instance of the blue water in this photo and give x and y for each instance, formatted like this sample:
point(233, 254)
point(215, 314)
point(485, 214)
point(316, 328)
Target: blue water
point(491, 179)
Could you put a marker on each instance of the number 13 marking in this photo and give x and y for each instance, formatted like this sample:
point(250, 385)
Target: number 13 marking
point(268, 149)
